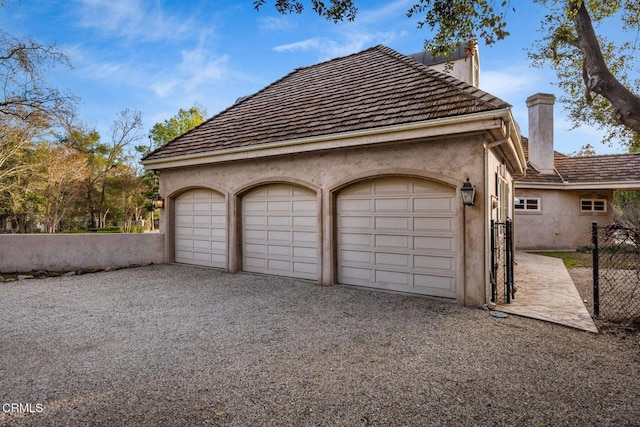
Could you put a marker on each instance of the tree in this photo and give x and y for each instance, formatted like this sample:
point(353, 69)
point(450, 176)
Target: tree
point(592, 71)
point(182, 122)
point(59, 176)
point(103, 158)
point(24, 91)
point(163, 132)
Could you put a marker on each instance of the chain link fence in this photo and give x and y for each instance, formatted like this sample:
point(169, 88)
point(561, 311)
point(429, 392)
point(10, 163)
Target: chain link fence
point(616, 273)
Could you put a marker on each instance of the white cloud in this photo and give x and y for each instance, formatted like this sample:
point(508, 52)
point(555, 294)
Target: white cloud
point(351, 42)
point(276, 23)
point(139, 19)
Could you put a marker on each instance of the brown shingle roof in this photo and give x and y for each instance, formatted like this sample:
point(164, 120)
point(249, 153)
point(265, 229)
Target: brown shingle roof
point(374, 88)
point(587, 169)
point(601, 168)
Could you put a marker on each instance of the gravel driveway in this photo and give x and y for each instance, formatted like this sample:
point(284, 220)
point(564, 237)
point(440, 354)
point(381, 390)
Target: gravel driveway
point(175, 345)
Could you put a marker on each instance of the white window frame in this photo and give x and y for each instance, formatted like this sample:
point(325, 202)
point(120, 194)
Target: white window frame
point(523, 205)
point(592, 205)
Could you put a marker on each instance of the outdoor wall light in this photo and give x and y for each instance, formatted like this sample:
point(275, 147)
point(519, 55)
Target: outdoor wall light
point(158, 202)
point(468, 192)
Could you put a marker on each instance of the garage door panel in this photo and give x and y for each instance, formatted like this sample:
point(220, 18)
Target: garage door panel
point(200, 228)
point(392, 223)
point(252, 262)
point(391, 186)
point(279, 266)
point(353, 239)
point(305, 237)
point(433, 204)
point(305, 268)
point(441, 283)
point(301, 206)
point(433, 224)
point(279, 250)
point(398, 234)
point(432, 242)
point(394, 260)
point(305, 221)
point(392, 277)
point(355, 222)
point(279, 206)
point(282, 236)
point(348, 256)
point(282, 190)
point(311, 253)
point(356, 276)
point(254, 206)
point(279, 221)
point(258, 220)
point(250, 234)
point(431, 261)
point(391, 205)
point(355, 205)
point(288, 226)
point(392, 241)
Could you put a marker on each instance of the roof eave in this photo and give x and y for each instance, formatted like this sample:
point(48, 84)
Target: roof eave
point(607, 185)
point(483, 121)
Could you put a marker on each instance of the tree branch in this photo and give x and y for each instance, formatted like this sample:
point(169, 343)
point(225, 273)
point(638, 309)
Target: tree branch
point(599, 78)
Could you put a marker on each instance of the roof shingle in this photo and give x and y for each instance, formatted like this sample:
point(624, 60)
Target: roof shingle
point(374, 88)
point(586, 169)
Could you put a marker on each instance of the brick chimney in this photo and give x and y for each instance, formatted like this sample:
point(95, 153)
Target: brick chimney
point(540, 108)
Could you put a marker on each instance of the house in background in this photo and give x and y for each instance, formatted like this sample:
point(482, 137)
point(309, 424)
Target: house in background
point(561, 195)
point(349, 171)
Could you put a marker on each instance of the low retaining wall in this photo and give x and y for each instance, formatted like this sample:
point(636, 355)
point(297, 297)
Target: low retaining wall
point(66, 252)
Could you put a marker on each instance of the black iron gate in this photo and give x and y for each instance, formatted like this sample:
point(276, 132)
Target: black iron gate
point(502, 283)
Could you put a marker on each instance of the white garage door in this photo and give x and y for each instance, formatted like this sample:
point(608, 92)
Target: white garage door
point(280, 231)
point(201, 228)
point(398, 234)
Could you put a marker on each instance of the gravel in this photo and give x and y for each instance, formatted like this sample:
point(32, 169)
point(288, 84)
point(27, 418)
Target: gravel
point(177, 345)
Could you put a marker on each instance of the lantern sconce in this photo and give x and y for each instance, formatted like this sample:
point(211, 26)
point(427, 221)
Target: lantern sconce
point(158, 202)
point(468, 192)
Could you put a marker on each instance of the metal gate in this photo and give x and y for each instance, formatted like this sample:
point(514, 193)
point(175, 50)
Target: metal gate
point(502, 261)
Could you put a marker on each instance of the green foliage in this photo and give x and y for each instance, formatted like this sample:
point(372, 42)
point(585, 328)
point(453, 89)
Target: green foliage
point(337, 11)
point(105, 230)
point(457, 21)
point(559, 49)
point(137, 229)
point(586, 150)
point(182, 122)
point(572, 259)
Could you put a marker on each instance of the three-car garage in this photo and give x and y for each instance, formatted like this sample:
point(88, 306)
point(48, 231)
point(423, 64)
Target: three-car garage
point(395, 233)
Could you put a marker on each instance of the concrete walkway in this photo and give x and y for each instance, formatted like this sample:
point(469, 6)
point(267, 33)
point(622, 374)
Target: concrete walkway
point(545, 291)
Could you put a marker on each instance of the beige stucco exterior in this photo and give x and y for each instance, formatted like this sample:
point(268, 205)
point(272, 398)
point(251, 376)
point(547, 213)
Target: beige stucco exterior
point(65, 252)
point(559, 224)
point(446, 160)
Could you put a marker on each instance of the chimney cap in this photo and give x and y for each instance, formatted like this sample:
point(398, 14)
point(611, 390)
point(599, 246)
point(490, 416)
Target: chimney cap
point(541, 98)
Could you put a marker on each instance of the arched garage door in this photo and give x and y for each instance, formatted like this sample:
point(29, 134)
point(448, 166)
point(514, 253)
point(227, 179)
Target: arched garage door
point(201, 228)
point(280, 231)
point(399, 234)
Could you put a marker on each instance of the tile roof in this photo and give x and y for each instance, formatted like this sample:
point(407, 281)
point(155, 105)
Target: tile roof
point(374, 88)
point(599, 169)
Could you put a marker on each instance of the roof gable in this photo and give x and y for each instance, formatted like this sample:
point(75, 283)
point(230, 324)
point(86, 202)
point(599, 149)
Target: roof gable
point(374, 88)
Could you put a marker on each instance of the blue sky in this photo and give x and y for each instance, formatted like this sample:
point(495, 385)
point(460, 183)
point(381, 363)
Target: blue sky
point(159, 56)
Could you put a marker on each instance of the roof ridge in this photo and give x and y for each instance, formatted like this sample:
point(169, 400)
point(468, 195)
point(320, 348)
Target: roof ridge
point(603, 155)
point(456, 84)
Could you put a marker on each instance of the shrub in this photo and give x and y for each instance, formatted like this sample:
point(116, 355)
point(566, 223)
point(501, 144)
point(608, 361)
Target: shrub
point(137, 229)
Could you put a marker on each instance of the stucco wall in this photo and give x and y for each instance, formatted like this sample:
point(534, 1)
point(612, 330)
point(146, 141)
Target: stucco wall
point(449, 161)
point(66, 252)
point(560, 225)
